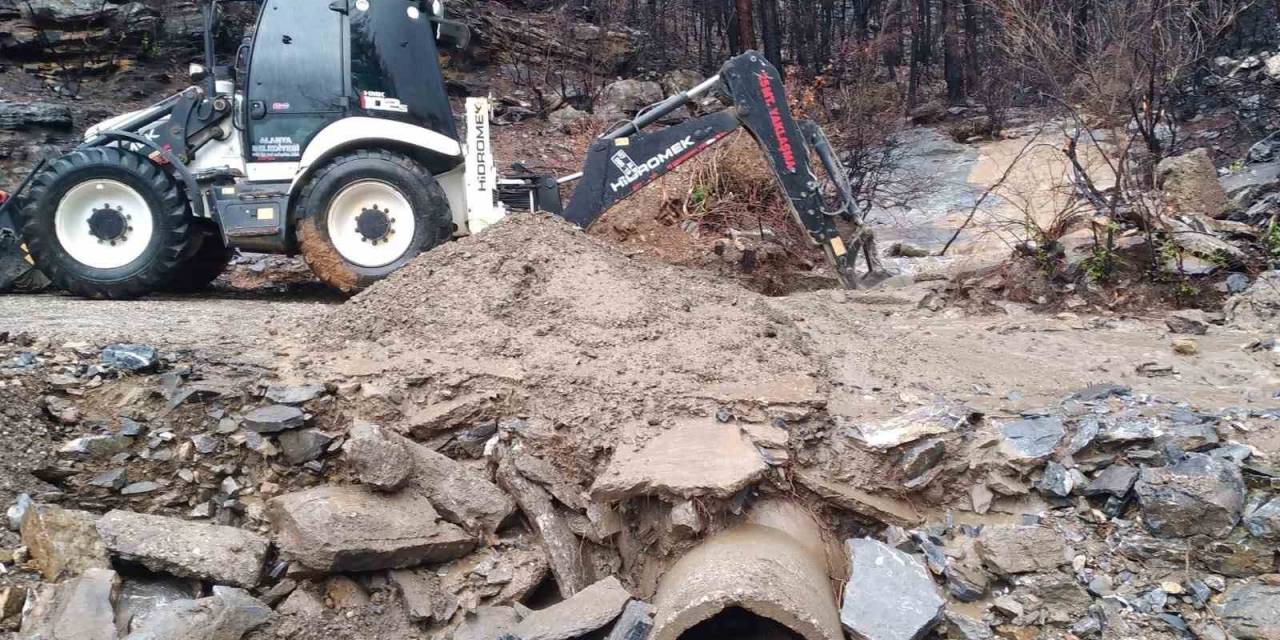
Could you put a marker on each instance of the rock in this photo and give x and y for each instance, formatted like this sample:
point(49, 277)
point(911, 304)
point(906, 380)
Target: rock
point(223, 555)
point(380, 462)
point(1057, 480)
point(1196, 496)
point(461, 494)
point(301, 603)
point(18, 511)
point(1263, 521)
point(140, 597)
point(961, 627)
point(1264, 150)
point(919, 459)
point(1102, 391)
point(114, 479)
point(685, 519)
point(227, 615)
point(965, 578)
point(635, 623)
point(303, 445)
point(905, 250)
point(134, 358)
point(1238, 556)
point(928, 113)
point(421, 594)
point(588, 610)
point(487, 623)
point(1190, 184)
point(140, 488)
point(1061, 595)
point(1186, 347)
point(1116, 481)
point(1272, 66)
point(622, 100)
point(930, 420)
point(561, 545)
point(886, 509)
point(295, 394)
point(345, 593)
point(1258, 308)
point(693, 459)
point(78, 609)
point(274, 419)
point(567, 119)
point(335, 529)
point(1011, 549)
point(1101, 585)
point(12, 601)
point(1125, 431)
point(680, 80)
point(1028, 440)
point(1251, 611)
point(63, 543)
point(24, 116)
point(1188, 321)
point(877, 569)
point(97, 447)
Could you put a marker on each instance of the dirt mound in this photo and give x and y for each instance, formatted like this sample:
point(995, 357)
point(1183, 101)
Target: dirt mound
point(536, 308)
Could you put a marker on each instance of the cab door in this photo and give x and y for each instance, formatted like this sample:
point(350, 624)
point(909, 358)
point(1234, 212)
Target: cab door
point(296, 83)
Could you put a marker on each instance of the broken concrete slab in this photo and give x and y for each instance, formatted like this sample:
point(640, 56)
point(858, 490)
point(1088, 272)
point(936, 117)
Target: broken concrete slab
point(63, 543)
point(226, 615)
point(588, 610)
point(876, 569)
point(82, 608)
point(1251, 611)
point(694, 458)
point(768, 566)
point(881, 508)
point(334, 529)
point(1198, 495)
point(223, 555)
point(1010, 549)
point(930, 420)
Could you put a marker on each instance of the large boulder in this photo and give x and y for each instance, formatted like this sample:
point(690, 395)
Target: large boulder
point(333, 529)
point(1195, 496)
point(622, 100)
point(1190, 184)
point(914, 608)
point(223, 555)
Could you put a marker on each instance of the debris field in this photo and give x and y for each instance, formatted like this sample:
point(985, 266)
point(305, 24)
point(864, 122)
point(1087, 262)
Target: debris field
point(528, 434)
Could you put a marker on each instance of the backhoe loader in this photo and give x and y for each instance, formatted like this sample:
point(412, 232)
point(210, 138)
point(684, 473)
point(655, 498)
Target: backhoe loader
point(331, 136)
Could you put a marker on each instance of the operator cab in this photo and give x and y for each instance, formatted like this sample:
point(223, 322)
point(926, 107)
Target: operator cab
point(313, 64)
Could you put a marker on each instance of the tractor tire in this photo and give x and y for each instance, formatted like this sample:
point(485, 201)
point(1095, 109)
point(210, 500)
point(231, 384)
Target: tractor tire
point(363, 216)
point(206, 259)
point(106, 223)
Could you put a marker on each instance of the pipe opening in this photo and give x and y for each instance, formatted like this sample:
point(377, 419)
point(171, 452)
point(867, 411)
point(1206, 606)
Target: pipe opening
point(739, 624)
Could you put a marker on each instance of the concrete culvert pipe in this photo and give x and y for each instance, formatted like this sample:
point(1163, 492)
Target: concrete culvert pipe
point(767, 578)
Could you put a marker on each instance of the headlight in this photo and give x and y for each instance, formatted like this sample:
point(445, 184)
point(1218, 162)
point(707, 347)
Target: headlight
point(437, 8)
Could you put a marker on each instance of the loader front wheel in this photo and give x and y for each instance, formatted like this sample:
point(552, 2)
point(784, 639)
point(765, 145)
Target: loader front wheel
point(206, 259)
point(363, 216)
point(106, 223)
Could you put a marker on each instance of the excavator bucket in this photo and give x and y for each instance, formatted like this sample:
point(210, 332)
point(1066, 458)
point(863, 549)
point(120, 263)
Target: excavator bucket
point(18, 274)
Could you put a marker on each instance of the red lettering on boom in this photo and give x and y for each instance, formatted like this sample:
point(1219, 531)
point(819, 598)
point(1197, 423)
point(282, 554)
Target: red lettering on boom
point(775, 116)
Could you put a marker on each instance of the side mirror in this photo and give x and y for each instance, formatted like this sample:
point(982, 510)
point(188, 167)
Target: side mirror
point(452, 35)
point(198, 72)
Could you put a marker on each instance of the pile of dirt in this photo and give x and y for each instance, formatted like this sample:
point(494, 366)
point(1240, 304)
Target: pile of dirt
point(589, 333)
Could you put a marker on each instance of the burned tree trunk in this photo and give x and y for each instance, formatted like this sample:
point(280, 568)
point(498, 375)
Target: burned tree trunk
point(746, 26)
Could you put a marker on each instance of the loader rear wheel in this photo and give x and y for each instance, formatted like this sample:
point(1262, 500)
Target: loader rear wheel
point(206, 259)
point(106, 223)
point(367, 214)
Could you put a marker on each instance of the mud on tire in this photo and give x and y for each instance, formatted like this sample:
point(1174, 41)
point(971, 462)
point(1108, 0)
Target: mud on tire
point(159, 249)
point(431, 215)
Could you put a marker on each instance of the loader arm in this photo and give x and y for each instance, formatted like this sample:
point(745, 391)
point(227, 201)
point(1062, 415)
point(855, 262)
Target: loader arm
point(626, 160)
